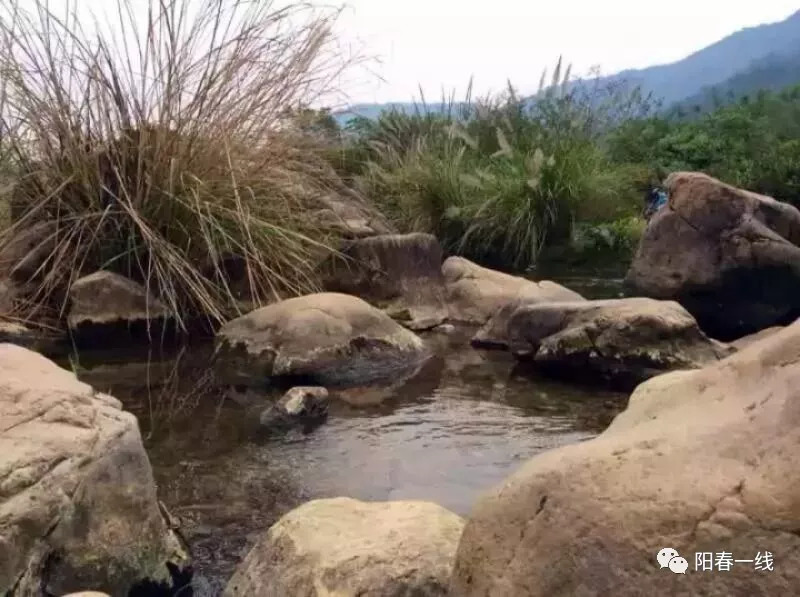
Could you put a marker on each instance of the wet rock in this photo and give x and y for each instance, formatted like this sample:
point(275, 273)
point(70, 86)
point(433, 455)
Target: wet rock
point(400, 273)
point(324, 339)
point(346, 547)
point(701, 461)
point(104, 304)
point(475, 294)
point(301, 406)
point(619, 341)
point(78, 501)
point(731, 257)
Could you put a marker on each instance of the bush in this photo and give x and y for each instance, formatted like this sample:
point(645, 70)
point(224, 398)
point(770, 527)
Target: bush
point(504, 176)
point(157, 146)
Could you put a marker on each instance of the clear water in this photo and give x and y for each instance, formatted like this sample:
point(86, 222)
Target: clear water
point(461, 425)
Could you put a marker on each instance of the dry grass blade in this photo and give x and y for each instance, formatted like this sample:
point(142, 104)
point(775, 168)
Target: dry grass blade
point(152, 137)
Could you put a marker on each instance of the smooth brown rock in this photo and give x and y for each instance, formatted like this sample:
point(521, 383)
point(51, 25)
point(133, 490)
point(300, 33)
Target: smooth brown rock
point(346, 548)
point(475, 294)
point(400, 273)
point(77, 496)
point(319, 339)
point(104, 298)
point(701, 461)
point(619, 341)
point(731, 257)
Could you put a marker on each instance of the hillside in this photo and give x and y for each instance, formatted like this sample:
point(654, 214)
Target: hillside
point(763, 56)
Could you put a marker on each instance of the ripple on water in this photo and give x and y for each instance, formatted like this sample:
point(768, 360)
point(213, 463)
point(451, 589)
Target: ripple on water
point(462, 425)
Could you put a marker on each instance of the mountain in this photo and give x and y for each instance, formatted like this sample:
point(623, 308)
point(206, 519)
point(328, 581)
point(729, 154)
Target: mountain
point(774, 72)
point(764, 56)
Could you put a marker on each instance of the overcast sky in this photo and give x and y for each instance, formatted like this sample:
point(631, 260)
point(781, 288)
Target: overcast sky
point(441, 43)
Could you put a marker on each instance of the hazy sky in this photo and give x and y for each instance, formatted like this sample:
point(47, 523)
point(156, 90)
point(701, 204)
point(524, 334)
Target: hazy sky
point(441, 43)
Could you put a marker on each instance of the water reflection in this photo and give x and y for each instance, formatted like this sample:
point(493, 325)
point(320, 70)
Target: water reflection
point(464, 422)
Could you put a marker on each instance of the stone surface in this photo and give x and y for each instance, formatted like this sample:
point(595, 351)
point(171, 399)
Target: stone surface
point(300, 406)
point(349, 548)
point(475, 294)
point(746, 341)
point(400, 273)
point(701, 461)
point(107, 298)
point(47, 342)
point(619, 341)
point(349, 215)
point(25, 251)
point(319, 339)
point(78, 502)
point(729, 256)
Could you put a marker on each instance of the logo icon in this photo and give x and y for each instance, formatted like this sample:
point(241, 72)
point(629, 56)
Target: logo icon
point(670, 558)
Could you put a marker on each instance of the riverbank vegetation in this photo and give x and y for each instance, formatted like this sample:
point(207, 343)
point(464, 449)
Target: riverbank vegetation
point(151, 141)
point(521, 183)
point(159, 148)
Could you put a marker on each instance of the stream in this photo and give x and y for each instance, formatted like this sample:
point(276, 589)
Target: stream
point(454, 430)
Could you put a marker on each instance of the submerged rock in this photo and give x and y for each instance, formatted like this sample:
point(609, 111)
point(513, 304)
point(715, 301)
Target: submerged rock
point(300, 406)
point(701, 462)
point(400, 273)
point(620, 341)
point(106, 298)
point(475, 294)
point(350, 548)
point(78, 504)
point(731, 257)
point(324, 339)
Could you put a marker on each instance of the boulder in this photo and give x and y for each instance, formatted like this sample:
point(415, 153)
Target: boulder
point(78, 504)
point(400, 273)
point(475, 294)
point(746, 341)
point(49, 342)
point(349, 215)
point(620, 341)
point(320, 339)
point(105, 301)
point(731, 257)
point(349, 548)
point(701, 462)
point(25, 251)
point(300, 406)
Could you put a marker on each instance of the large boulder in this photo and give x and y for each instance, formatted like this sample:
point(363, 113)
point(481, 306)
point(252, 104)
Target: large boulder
point(107, 299)
point(701, 462)
point(322, 339)
point(400, 273)
point(78, 504)
point(349, 548)
point(475, 294)
point(731, 257)
point(620, 341)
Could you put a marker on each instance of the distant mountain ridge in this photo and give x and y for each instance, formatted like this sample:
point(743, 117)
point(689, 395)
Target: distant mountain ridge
point(764, 56)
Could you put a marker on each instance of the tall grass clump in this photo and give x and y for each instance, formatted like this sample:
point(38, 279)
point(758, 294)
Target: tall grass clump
point(507, 175)
point(152, 143)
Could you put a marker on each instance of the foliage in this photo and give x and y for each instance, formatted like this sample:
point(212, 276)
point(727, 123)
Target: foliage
point(156, 148)
point(503, 176)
